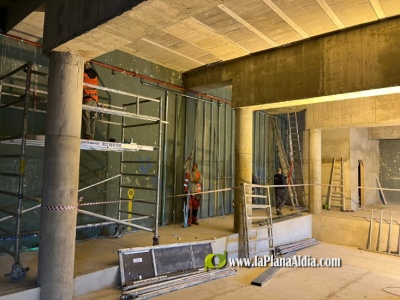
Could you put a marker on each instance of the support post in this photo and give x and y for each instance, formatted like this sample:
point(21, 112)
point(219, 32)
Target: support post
point(315, 171)
point(60, 177)
point(243, 166)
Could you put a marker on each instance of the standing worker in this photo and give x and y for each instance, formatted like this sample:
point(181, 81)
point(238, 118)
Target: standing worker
point(193, 182)
point(90, 97)
point(280, 191)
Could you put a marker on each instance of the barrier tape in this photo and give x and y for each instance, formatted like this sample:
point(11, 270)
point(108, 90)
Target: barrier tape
point(173, 196)
point(59, 207)
point(55, 208)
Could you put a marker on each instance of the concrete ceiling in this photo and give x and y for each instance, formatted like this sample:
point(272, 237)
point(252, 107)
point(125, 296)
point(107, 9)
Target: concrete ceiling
point(185, 35)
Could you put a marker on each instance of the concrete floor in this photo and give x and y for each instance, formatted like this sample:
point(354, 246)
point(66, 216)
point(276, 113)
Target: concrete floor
point(364, 275)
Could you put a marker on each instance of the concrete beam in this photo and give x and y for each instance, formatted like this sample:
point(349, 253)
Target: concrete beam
point(68, 19)
point(384, 133)
point(362, 112)
point(20, 10)
point(338, 66)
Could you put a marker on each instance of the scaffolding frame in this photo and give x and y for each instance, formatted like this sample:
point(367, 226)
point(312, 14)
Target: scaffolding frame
point(18, 272)
point(124, 162)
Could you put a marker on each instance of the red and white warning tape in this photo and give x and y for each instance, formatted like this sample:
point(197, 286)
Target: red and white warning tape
point(59, 207)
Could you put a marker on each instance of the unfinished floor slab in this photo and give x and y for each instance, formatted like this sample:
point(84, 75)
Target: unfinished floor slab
point(365, 271)
point(363, 275)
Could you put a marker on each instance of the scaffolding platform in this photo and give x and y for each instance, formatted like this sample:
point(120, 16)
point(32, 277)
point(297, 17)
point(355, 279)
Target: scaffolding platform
point(38, 140)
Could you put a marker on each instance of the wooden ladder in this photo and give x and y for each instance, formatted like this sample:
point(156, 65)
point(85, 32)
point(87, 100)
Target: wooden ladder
point(336, 196)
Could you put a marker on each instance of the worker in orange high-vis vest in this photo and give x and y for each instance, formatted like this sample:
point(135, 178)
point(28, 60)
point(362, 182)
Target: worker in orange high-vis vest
point(193, 180)
point(91, 98)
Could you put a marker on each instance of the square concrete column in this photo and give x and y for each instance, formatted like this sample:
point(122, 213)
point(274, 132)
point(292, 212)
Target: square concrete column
point(243, 165)
point(60, 177)
point(315, 171)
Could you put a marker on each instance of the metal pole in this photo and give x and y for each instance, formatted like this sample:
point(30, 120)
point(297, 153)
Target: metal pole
point(164, 287)
point(203, 153)
point(22, 162)
point(260, 151)
point(378, 242)
point(371, 221)
point(225, 153)
point(102, 224)
point(266, 164)
point(232, 157)
point(121, 170)
point(100, 182)
point(185, 154)
point(254, 141)
point(389, 233)
point(22, 212)
point(164, 185)
point(211, 187)
point(218, 162)
point(15, 71)
point(195, 156)
point(89, 213)
point(156, 238)
point(175, 158)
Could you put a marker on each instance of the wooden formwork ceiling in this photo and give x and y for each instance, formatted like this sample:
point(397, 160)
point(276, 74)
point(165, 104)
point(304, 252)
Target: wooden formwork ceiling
point(185, 35)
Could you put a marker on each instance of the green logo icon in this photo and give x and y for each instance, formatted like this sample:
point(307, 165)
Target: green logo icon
point(210, 261)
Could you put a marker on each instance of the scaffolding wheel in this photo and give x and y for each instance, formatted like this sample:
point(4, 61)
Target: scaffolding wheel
point(156, 240)
point(18, 272)
point(119, 231)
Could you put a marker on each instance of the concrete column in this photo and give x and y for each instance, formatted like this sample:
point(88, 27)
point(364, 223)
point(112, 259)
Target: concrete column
point(243, 165)
point(315, 171)
point(60, 177)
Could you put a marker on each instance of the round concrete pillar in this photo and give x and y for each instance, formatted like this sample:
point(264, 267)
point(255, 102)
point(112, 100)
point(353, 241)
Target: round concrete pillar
point(243, 165)
point(60, 177)
point(315, 171)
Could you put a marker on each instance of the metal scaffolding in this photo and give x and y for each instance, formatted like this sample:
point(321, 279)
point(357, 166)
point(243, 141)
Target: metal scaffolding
point(18, 272)
point(141, 221)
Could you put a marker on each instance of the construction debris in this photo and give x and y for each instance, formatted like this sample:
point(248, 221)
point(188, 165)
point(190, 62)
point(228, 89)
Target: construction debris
point(291, 247)
point(147, 272)
point(176, 283)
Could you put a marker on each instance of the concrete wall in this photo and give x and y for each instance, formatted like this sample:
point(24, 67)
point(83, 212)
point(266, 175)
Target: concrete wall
point(367, 151)
point(335, 144)
point(351, 231)
point(350, 140)
point(264, 156)
point(362, 112)
point(389, 159)
point(352, 145)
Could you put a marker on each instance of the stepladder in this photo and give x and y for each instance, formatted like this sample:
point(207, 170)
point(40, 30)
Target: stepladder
point(257, 218)
point(336, 197)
